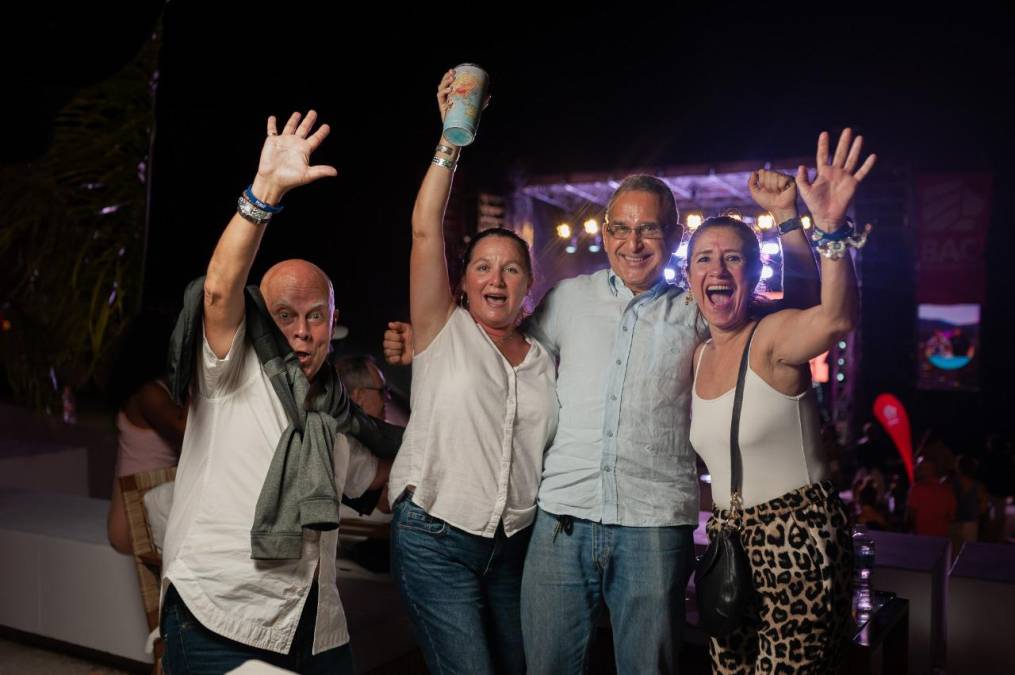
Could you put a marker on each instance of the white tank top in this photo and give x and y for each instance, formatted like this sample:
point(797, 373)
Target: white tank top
point(780, 440)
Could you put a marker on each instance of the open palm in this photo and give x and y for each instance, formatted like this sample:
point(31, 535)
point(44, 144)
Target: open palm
point(285, 157)
point(834, 185)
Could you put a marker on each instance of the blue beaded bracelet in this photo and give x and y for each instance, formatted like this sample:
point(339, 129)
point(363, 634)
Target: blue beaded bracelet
point(264, 206)
point(840, 234)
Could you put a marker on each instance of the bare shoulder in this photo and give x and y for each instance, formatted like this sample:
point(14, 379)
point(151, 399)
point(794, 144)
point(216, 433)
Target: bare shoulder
point(697, 356)
point(154, 392)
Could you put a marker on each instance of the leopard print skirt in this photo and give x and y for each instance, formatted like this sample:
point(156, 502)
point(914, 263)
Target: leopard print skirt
point(801, 554)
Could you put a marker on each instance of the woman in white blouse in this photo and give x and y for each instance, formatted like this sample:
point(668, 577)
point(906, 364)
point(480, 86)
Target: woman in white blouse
point(484, 408)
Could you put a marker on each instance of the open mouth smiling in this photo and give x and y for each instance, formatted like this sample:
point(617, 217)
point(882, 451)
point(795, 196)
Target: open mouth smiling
point(719, 294)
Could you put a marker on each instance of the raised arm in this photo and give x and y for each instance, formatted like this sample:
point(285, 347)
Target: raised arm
point(802, 335)
point(284, 165)
point(776, 193)
point(430, 300)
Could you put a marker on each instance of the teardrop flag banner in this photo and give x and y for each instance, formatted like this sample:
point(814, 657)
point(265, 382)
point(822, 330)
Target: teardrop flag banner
point(890, 412)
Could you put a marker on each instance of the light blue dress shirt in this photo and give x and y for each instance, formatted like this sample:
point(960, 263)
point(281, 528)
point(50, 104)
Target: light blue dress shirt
point(621, 454)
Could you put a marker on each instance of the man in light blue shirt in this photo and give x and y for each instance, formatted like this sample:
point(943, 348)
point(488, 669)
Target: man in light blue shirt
point(618, 502)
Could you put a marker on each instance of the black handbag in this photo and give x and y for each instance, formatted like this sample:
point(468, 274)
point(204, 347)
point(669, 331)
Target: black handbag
point(722, 577)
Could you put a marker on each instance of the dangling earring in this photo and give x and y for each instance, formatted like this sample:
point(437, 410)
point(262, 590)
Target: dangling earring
point(687, 298)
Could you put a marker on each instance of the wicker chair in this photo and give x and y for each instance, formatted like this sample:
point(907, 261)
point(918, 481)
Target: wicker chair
point(147, 560)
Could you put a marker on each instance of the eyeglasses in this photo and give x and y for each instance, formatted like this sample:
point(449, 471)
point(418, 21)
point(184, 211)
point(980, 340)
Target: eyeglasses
point(646, 231)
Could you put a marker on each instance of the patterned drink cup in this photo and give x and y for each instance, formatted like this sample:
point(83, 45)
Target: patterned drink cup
point(467, 95)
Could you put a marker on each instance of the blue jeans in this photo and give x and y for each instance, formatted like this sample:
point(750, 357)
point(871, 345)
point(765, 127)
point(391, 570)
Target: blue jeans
point(192, 649)
point(576, 567)
point(462, 592)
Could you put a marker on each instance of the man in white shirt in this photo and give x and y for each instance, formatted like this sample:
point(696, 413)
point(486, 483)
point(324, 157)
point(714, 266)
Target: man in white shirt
point(221, 606)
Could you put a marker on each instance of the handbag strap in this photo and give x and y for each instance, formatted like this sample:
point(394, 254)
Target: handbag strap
point(736, 463)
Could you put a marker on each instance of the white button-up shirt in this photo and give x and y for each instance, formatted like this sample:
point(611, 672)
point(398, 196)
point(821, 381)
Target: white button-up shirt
point(474, 444)
point(233, 427)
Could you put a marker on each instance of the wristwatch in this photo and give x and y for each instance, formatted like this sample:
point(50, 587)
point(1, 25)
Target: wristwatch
point(788, 226)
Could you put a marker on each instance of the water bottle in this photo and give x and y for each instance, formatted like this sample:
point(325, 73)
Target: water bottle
point(863, 566)
point(70, 412)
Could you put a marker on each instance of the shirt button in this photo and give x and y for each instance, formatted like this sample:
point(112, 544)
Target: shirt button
point(618, 362)
point(609, 434)
point(613, 397)
point(607, 469)
point(625, 329)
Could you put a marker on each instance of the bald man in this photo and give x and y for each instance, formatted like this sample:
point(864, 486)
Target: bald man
point(301, 300)
point(238, 585)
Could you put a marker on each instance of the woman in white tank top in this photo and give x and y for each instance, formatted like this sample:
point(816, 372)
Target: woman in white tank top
point(795, 528)
point(484, 408)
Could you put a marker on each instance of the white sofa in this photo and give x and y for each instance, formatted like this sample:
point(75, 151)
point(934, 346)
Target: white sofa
point(59, 577)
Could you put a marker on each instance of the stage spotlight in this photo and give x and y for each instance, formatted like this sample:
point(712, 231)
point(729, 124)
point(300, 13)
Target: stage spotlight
point(767, 272)
point(591, 226)
point(594, 248)
point(806, 220)
point(571, 248)
point(681, 251)
point(771, 248)
point(693, 221)
point(564, 231)
point(840, 377)
point(670, 274)
point(766, 221)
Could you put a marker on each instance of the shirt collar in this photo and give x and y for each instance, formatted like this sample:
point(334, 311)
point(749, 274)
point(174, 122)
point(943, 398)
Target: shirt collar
point(615, 283)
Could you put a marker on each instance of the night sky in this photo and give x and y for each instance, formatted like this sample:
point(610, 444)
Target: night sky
point(589, 90)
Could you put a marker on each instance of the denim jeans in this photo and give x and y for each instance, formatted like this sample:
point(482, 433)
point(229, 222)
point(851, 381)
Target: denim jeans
point(462, 592)
point(575, 568)
point(192, 649)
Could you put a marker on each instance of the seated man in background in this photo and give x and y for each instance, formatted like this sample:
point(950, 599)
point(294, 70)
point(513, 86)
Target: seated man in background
point(366, 386)
point(365, 383)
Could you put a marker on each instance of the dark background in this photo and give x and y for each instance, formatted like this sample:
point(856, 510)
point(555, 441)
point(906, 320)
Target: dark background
point(583, 89)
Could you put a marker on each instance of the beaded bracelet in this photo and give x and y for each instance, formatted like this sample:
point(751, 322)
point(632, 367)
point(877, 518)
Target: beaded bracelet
point(833, 244)
point(264, 206)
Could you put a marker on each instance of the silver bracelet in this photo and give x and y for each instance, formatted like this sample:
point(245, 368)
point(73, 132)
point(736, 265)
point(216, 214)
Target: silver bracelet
point(446, 149)
point(252, 213)
point(446, 163)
